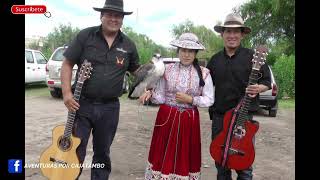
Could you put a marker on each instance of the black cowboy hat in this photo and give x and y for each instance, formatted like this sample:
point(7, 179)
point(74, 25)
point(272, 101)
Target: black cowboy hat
point(113, 5)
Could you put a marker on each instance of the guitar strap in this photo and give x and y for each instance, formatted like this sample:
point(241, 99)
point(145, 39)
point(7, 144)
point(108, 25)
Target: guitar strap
point(229, 135)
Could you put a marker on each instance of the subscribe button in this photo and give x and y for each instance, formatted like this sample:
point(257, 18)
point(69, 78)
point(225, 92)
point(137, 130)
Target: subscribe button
point(28, 9)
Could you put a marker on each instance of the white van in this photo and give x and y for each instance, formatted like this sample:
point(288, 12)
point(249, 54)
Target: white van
point(53, 70)
point(35, 66)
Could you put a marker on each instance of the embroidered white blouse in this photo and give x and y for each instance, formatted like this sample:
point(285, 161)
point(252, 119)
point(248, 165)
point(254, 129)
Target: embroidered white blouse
point(181, 78)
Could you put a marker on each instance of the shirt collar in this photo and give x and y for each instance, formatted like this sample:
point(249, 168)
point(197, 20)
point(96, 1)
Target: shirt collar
point(119, 35)
point(235, 54)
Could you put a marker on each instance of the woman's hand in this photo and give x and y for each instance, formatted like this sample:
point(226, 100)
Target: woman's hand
point(145, 96)
point(183, 98)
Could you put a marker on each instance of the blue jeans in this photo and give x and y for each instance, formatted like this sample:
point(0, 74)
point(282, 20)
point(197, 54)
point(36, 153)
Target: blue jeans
point(224, 173)
point(103, 119)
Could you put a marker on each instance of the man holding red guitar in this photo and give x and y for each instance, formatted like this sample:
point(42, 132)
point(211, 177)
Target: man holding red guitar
point(230, 70)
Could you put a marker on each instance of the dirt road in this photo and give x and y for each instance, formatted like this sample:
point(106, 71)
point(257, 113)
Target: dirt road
point(275, 140)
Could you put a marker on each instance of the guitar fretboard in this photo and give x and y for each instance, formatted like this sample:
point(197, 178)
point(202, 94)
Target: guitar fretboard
point(72, 115)
point(243, 112)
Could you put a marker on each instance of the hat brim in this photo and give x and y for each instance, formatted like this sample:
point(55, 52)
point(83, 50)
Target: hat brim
point(219, 28)
point(112, 9)
point(187, 45)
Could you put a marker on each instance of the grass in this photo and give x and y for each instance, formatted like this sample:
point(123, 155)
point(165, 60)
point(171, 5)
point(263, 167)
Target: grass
point(42, 90)
point(36, 90)
point(287, 103)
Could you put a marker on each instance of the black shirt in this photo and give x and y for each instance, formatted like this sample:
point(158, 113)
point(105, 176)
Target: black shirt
point(230, 75)
point(109, 64)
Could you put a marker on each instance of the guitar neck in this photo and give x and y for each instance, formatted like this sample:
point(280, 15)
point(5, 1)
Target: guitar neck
point(72, 115)
point(243, 112)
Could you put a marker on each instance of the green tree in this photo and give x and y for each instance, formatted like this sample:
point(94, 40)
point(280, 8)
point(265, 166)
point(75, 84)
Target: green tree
point(277, 50)
point(284, 72)
point(33, 45)
point(145, 46)
point(271, 21)
point(60, 36)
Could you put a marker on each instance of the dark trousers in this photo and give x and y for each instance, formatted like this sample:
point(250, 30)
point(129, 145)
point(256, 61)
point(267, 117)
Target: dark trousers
point(224, 173)
point(102, 119)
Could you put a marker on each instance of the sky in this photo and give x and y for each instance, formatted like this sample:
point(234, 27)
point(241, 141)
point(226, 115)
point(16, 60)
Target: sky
point(154, 18)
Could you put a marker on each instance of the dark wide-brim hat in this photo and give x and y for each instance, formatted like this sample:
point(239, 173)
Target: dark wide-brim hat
point(232, 21)
point(113, 5)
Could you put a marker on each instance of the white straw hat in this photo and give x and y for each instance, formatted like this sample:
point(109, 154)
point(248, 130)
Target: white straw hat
point(188, 41)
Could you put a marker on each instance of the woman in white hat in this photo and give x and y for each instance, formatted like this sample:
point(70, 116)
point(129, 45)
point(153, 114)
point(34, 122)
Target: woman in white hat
point(175, 150)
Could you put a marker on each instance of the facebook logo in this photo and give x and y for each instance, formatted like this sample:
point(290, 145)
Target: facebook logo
point(15, 165)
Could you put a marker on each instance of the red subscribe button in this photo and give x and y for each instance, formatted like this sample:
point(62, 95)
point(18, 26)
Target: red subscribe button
point(28, 9)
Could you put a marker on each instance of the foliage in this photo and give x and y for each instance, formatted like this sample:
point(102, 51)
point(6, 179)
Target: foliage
point(284, 72)
point(36, 90)
point(207, 37)
point(60, 36)
point(277, 50)
point(33, 45)
point(145, 46)
point(287, 103)
point(273, 23)
point(270, 20)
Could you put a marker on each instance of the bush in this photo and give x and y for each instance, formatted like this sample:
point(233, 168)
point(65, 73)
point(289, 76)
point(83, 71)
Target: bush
point(284, 72)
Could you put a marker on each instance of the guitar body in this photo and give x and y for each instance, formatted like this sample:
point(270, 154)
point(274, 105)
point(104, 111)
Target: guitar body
point(55, 159)
point(241, 152)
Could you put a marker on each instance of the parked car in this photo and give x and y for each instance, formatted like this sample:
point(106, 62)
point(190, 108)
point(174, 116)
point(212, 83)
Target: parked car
point(35, 65)
point(170, 60)
point(53, 70)
point(126, 83)
point(202, 62)
point(269, 99)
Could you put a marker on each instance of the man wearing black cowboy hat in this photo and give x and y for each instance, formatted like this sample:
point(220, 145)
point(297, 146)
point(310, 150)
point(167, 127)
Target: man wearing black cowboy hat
point(230, 70)
point(111, 54)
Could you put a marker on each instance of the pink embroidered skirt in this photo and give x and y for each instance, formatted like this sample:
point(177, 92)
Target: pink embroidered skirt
point(175, 150)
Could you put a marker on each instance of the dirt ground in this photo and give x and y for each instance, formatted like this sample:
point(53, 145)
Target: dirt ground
point(275, 140)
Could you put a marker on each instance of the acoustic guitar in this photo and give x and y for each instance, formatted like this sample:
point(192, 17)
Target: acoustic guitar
point(233, 146)
point(60, 161)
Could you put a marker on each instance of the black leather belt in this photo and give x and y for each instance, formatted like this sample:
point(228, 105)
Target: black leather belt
point(100, 100)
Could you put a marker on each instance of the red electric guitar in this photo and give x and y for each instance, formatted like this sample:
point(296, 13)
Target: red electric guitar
point(233, 147)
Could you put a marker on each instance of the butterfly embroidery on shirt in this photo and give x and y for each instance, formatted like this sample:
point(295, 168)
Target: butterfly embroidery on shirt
point(120, 61)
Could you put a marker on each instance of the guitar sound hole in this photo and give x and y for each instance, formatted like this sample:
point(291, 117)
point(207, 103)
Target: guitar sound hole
point(64, 143)
point(239, 132)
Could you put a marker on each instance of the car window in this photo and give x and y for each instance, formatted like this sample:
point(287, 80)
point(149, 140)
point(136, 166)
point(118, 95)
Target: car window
point(58, 55)
point(170, 60)
point(28, 56)
point(40, 58)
